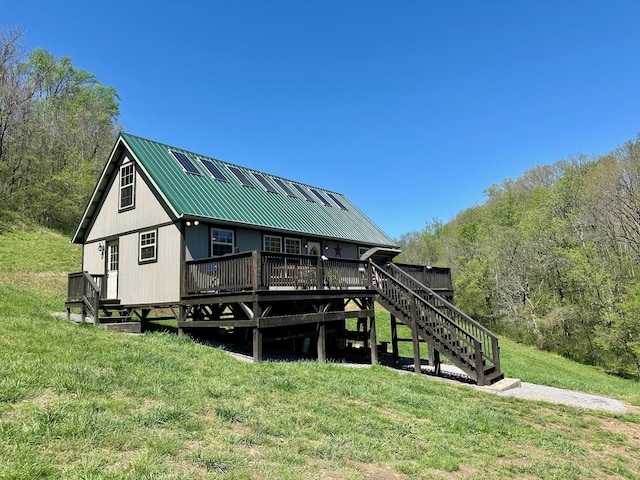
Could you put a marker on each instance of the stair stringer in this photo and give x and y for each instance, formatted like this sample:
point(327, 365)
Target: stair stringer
point(435, 327)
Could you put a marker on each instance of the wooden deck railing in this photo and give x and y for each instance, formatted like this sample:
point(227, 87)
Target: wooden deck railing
point(86, 289)
point(253, 271)
point(84, 284)
point(436, 278)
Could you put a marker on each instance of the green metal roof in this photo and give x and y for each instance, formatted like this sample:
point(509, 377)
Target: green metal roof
point(202, 196)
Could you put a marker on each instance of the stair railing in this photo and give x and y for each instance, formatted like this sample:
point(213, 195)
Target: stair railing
point(460, 346)
point(490, 350)
point(82, 287)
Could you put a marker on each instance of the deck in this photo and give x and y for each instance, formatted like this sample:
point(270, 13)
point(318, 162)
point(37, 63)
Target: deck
point(303, 302)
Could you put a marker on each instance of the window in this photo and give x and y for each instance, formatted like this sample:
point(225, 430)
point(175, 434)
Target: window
point(148, 246)
point(338, 202)
point(284, 187)
point(185, 162)
point(264, 182)
point(292, 245)
point(272, 243)
point(242, 178)
point(221, 242)
point(213, 170)
point(304, 192)
point(127, 184)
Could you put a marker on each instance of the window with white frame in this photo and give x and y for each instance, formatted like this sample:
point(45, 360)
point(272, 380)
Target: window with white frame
point(127, 186)
point(148, 251)
point(272, 243)
point(221, 242)
point(292, 245)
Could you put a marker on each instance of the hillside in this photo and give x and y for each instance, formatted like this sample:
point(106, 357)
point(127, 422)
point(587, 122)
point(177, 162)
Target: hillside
point(81, 402)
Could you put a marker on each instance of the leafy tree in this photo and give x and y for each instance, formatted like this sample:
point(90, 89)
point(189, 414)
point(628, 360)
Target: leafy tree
point(57, 125)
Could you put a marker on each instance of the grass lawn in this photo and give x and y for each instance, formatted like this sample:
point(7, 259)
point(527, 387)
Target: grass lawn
point(77, 402)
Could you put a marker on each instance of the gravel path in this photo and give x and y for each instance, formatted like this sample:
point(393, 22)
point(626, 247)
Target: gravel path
point(532, 391)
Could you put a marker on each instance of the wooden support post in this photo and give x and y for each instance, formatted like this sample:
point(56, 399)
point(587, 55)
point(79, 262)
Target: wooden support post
point(417, 365)
point(257, 345)
point(182, 317)
point(373, 340)
point(394, 341)
point(322, 343)
point(432, 354)
point(143, 319)
point(436, 361)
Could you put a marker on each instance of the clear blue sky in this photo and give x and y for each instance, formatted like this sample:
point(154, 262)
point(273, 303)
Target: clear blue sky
point(409, 108)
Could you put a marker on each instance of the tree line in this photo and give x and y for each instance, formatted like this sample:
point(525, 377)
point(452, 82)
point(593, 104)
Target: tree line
point(57, 126)
point(551, 258)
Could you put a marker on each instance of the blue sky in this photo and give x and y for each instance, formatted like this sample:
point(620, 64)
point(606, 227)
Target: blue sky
point(409, 108)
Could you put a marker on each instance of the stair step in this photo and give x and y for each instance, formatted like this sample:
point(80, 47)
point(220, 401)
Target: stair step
point(125, 327)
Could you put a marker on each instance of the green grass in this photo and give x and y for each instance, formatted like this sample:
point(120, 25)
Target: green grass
point(78, 402)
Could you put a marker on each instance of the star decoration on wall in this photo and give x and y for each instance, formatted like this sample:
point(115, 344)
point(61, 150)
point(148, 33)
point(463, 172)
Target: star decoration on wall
point(338, 250)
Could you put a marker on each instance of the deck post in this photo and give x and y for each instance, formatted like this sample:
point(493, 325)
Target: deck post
point(257, 344)
point(417, 365)
point(373, 340)
point(322, 342)
point(182, 317)
point(256, 267)
point(394, 341)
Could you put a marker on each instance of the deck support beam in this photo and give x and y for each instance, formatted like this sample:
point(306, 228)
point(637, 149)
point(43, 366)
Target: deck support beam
point(322, 342)
point(373, 340)
point(394, 341)
point(417, 364)
point(257, 345)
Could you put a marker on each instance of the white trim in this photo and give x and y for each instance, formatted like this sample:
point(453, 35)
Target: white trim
point(264, 242)
point(153, 235)
point(297, 240)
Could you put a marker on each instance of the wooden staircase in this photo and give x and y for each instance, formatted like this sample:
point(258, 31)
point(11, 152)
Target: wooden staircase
point(447, 330)
point(85, 293)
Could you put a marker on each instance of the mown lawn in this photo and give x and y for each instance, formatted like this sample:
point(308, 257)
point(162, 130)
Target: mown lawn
point(85, 403)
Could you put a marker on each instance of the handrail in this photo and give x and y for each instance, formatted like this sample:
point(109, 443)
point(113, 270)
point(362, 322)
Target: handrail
point(82, 287)
point(434, 323)
point(488, 338)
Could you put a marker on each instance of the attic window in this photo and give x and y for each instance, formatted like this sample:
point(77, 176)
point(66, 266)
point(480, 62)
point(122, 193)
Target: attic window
point(242, 178)
point(127, 186)
point(338, 202)
point(284, 187)
point(304, 192)
point(263, 181)
point(213, 170)
point(185, 162)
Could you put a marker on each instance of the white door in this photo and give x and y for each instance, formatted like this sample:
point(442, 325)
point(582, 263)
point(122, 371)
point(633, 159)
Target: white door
point(113, 256)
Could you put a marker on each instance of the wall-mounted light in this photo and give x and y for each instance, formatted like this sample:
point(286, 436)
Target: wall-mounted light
point(196, 223)
point(101, 248)
point(326, 247)
point(187, 223)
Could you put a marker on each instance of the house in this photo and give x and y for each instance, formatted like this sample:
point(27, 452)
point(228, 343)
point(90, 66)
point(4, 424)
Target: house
point(230, 250)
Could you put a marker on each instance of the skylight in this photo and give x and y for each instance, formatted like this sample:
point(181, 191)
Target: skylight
point(185, 162)
point(338, 202)
point(284, 187)
point(263, 181)
point(213, 170)
point(321, 197)
point(304, 192)
point(242, 178)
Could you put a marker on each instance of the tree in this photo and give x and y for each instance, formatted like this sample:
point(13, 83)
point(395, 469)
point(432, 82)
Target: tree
point(57, 124)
